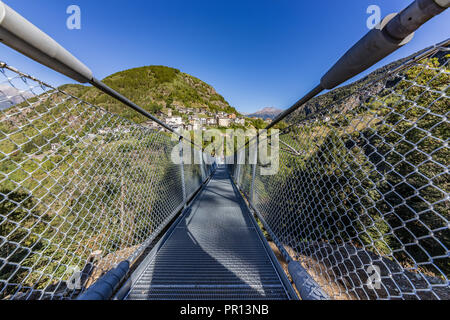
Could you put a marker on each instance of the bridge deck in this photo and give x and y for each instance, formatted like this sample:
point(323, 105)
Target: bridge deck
point(214, 252)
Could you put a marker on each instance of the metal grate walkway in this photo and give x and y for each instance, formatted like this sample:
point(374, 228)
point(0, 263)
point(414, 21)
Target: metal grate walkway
point(214, 252)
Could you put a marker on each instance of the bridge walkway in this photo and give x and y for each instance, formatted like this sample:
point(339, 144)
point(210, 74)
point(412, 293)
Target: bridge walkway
point(215, 251)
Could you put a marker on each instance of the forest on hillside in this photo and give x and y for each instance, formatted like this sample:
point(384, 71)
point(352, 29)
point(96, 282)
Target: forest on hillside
point(153, 88)
point(369, 171)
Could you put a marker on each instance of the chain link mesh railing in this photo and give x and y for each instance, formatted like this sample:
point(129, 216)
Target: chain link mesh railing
point(81, 189)
point(363, 184)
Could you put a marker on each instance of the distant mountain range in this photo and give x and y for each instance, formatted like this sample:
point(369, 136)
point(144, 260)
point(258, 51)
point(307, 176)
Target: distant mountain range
point(266, 113)
point(10, 96)
point(154, 88)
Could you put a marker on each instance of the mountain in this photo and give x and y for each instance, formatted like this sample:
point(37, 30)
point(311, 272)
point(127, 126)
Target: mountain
point(266, 113)
point(153, 88)
point(10, 96)
point(334, 96)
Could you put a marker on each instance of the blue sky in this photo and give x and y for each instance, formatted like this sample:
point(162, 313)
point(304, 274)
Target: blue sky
point(264, 53)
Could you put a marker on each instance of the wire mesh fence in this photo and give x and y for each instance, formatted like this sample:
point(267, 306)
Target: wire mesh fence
point(361, 197)
point(81, 189)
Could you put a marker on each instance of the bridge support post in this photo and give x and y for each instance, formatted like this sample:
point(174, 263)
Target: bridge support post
point(183, 183)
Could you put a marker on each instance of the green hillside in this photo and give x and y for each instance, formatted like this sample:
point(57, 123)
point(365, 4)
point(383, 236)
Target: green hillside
point(335, 96)
point(153, 88)
point(385, 145)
